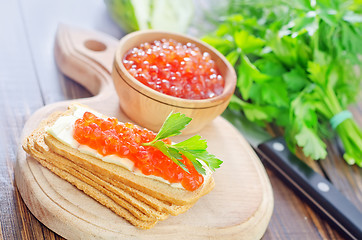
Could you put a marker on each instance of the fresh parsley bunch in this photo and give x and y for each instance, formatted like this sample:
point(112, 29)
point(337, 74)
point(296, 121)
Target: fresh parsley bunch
point(193, 148)
point(298, 64)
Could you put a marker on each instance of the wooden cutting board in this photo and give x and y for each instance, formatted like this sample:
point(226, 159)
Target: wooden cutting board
point(239, 207)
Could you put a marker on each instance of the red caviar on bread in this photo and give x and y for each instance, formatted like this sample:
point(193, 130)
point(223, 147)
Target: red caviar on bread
point(108, 136)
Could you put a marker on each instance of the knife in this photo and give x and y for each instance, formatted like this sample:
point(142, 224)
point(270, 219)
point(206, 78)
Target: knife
point(319, 191)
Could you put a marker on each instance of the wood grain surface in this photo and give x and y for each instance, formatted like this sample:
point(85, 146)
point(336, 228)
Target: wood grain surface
point(240, 206)
point(29, 79)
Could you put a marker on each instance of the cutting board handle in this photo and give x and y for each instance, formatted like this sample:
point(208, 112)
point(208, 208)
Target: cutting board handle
point(86, 57)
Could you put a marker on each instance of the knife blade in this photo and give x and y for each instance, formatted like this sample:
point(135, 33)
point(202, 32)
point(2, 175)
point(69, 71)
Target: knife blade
point(321, 193)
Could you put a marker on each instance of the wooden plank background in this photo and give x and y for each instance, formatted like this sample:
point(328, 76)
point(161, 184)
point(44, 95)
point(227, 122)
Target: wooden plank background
point(29, 80)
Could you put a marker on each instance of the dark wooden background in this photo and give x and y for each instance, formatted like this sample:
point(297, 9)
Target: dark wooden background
point(29, 79)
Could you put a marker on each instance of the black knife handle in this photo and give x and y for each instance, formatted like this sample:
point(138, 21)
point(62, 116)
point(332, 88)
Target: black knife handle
point(316, 188)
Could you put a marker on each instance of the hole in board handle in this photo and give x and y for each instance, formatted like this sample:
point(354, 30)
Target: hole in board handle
point(95, 45)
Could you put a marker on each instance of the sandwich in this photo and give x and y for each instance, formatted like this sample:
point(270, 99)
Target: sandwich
point(140, 175)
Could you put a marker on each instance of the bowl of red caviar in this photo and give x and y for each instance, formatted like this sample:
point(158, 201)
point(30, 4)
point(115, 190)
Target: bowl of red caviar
point(157, 72)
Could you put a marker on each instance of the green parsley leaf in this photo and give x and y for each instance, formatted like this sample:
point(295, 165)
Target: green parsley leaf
point(223, 45)
point(254, 112)
point(193, 148)
point(247, 42)
point(211, 161)
point(270, 67)
point(312, 145)
point(193, 143)
point(247, 74)
point(296, 79)
point(173, 125)
point(233, 56)
point(171, 153)
point(198, 166)
point(196, 147)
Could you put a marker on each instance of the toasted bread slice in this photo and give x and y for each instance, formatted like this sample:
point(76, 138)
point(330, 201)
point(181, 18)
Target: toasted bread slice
point(120, 196)
point(155, 203)
point(109, 172)
point(139, 200)
point(162, 208)
point(138, 208)
point(91, 191)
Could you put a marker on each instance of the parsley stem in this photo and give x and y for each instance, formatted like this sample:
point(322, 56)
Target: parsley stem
point(148, 143)
point(351, 138)
point(333, 99)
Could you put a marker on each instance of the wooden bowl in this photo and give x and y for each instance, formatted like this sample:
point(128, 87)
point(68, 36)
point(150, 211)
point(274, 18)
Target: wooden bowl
point(149, 108)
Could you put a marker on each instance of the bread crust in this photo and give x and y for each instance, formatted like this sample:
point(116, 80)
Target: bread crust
point(93, 190)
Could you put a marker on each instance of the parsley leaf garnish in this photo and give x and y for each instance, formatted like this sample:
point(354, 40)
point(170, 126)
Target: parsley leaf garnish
point(193, 148)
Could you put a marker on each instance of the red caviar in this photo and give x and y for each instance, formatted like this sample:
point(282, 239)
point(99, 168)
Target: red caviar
point(108, 136)
point(175, 69)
